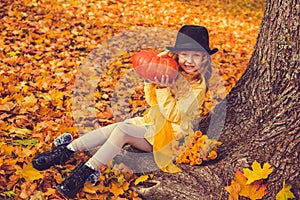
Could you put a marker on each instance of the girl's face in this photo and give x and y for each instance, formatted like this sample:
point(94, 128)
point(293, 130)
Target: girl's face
point(192, 61)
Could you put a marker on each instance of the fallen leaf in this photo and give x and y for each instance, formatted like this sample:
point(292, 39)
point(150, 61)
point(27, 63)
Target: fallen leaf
point(50, 191)
point(26, 142)
point(4, 107)
point(141, 179)
point(10, 194)
point(27, 189)
point(5, 149)
point(255, 190)
point(89, 188)
point(96, 196)
point(28, 172)
point(116, 189)
point(29, 101)
point(233, 190)
point(38, 195)
point(258, 172)
point(21, 131)
point(285, 193)
point(13, 179)
point(41, 57)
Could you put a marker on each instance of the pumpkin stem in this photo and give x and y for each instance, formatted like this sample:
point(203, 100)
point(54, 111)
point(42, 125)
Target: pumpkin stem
point(161, 54)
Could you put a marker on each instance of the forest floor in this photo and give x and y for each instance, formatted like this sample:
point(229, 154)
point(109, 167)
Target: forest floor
point(44, 45)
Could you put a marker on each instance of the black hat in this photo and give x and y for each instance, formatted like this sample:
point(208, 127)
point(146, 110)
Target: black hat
point(193, 38)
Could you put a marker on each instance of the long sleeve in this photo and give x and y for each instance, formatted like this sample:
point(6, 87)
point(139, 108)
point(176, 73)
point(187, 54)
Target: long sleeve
point(173, 109)
point(150, 95)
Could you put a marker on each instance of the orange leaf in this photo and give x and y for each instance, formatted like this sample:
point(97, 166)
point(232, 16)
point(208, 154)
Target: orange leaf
point(234, 190)
point(116, 189)
point(29, 101)
point(255, 190)
point(89, 188)
point(50, 191)
point(13, 179)
point(27, 189)
point(96, 196)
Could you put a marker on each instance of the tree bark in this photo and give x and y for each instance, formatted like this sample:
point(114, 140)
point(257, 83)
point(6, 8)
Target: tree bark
point(262, 117)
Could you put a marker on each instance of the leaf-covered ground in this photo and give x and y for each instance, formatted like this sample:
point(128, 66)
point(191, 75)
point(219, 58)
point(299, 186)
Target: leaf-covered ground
point(43, 43)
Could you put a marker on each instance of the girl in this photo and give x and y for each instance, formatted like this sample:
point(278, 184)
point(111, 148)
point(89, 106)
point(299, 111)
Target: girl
point(173, 106)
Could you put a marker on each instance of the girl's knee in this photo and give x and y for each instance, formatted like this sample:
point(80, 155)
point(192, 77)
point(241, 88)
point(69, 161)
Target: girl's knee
point(118, 134)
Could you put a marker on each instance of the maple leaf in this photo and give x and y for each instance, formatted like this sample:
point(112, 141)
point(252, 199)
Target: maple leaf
point(28, 172)
point(258, 172)
point(285, 193)
point(234, 190)
point(255, 190)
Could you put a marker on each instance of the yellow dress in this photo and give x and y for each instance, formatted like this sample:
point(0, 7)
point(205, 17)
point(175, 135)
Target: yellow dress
point(171, 114)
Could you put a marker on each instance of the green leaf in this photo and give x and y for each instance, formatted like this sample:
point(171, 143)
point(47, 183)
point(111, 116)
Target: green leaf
point(47, 97)
point(27, 142)
point(10, 193)
point(14, 53)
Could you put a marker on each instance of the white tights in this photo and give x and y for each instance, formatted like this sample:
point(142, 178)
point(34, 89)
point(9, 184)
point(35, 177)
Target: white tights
point(111, 138)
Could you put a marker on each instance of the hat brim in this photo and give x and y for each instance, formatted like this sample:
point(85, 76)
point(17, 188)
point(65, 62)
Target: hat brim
point(174, 49)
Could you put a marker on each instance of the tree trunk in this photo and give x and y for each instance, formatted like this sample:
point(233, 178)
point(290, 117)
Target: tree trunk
point(262, 118)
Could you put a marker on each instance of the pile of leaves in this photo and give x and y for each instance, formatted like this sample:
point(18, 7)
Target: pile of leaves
point(43, 43)
point(252, 184)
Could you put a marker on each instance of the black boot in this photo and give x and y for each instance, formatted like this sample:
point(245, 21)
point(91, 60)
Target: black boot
point(56, 156)
point(75, 182)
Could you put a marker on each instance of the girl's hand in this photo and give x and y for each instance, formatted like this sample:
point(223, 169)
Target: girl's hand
point(163, 82)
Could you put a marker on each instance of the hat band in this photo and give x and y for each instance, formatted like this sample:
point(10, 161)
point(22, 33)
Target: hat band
point(189, 46)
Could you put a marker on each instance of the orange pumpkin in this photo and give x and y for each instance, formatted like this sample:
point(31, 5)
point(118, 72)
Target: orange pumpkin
point(148, 64)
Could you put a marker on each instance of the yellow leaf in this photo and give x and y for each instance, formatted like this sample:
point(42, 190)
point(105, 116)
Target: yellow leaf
point(28, 172)
point(89, 188)
point(50, 191)
point(141, 179)
point(233, 190)
point(116, 189)
point(6, 149)
point(285, 193)
point(38, 195)
point(29, 101)
point(258, 172)
point(22, 131)
point(255, 190)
